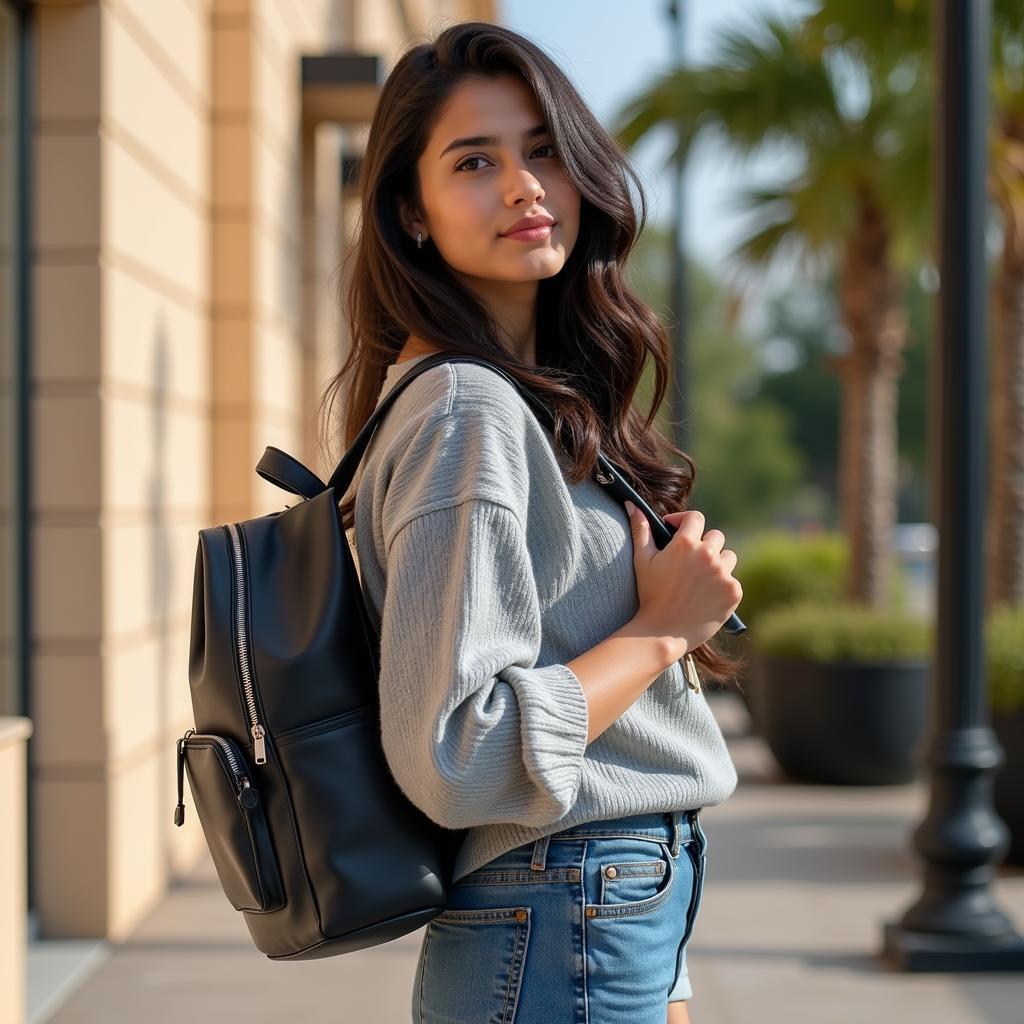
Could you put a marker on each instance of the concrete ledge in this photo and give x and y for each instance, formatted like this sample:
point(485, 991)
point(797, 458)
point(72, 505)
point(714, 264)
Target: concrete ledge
point(14, 730)
point(14, 733)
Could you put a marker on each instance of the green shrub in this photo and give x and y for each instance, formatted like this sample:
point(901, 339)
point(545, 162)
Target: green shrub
point(824, 632)
point(777, 568)
point(1004, 641)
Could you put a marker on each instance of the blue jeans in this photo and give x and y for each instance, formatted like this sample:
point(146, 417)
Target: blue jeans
point(585, 926)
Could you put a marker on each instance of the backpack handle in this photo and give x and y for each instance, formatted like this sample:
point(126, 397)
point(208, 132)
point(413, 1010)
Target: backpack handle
point(280, 468)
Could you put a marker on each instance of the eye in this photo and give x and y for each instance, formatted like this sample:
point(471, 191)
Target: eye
point(462, 165)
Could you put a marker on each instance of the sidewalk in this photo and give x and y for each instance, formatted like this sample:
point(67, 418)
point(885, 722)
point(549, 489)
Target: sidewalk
point(799, 881)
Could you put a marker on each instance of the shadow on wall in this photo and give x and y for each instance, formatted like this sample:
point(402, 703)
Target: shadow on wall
point(159, 556)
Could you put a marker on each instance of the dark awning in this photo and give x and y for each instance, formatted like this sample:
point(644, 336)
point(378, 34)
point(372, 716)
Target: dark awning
point(341, 87)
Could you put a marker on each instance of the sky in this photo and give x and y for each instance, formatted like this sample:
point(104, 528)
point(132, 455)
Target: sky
point(611, 50)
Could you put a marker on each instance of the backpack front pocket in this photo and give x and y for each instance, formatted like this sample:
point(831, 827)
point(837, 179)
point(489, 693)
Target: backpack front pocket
point(353, 827)
point(231, 812)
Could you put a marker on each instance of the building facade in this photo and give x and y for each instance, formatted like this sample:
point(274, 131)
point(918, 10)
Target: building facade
point(174, 212)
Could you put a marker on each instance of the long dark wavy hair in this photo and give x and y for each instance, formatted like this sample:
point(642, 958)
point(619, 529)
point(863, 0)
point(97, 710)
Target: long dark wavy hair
point(594, 335)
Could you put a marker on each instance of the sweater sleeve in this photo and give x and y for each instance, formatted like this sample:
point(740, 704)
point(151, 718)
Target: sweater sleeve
point(474, 731)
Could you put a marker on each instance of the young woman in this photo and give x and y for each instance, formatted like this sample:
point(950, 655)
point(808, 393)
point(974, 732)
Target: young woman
point(532, 688)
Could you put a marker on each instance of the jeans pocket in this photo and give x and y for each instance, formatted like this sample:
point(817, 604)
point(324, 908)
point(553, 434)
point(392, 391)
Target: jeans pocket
point(471, 966)
point(636, 878)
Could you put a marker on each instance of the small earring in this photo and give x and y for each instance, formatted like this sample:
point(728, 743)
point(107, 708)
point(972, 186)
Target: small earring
point(419, 239)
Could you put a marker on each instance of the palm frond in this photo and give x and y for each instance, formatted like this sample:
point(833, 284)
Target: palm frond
point(759, 89)
point(882, 31)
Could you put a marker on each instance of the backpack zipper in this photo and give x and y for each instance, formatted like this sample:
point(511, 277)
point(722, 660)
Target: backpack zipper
point(242, 645)
point(241, 780)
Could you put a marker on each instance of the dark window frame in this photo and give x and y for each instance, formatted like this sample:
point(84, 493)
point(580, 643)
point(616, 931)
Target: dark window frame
point(21, 392)
point(20, 372)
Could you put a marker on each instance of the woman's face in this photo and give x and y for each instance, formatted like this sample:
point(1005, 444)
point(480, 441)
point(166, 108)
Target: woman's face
point(473, 193)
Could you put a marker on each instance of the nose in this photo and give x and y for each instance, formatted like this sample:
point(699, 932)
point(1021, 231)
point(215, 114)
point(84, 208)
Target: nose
point(525, 186)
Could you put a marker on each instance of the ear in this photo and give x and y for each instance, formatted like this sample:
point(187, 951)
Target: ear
point(409, 219)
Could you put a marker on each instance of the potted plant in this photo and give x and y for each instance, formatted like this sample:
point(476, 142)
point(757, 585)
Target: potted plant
point(1005, 656)
point(779, 568)
point(840, 692)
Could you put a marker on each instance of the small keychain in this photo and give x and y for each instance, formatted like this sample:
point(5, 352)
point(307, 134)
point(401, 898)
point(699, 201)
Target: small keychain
point(690, 669)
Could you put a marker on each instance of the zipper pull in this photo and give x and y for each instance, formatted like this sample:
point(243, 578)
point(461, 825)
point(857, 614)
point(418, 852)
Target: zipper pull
point(692, 679)
point(248, 798)
point(179, 811)
point(259, 744)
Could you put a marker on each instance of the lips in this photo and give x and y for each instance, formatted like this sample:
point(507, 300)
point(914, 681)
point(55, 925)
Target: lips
point(530, 222)
point(529, 234)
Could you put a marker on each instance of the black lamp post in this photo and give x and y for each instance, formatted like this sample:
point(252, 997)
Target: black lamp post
point(955, 924)
point(679, 405)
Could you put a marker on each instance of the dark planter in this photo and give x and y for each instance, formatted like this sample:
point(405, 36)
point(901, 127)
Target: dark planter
point(842, 723)
point(1009, 781)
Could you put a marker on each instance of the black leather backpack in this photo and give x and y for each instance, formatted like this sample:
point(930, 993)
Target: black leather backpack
point(312, 839)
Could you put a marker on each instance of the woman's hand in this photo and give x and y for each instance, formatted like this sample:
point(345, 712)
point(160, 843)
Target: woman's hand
point(686, 589)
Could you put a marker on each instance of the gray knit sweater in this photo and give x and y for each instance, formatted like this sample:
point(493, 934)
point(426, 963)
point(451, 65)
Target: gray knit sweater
point(485, 571)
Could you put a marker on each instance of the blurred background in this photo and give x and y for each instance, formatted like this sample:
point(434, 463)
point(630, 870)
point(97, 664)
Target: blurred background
point(177, 191)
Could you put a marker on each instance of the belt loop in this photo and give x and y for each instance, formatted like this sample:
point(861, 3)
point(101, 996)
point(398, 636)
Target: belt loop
point(677, 836)
point(540, 853)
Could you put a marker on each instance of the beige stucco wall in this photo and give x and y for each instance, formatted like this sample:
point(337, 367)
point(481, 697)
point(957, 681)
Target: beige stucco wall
point(187, 222)
point(258, 239)
point(120, 415)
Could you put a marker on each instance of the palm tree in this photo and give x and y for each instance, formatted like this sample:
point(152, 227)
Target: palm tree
point(858, 125)
point(900, 28)
point(1005, 575)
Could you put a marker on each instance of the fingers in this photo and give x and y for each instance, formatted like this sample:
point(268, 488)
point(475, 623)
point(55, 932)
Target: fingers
point(715, 540)
point(638, 524)
point(692, 522)
point(714, 537)
point(689, 522)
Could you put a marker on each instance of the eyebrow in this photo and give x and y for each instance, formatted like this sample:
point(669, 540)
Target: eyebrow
point(490, 140)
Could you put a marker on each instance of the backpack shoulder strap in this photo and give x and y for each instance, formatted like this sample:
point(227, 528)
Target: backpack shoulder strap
point(342, 476)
